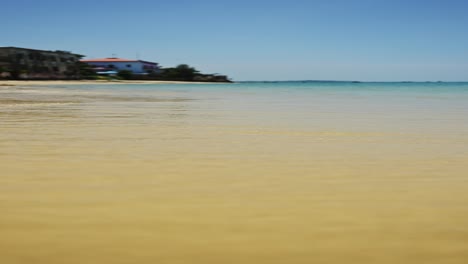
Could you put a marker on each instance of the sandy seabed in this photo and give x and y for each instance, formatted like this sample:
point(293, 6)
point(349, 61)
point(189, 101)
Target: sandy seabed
point(183, 175)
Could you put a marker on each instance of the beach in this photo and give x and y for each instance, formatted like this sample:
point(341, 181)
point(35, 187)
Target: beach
point(169, 173)
point(76, 82)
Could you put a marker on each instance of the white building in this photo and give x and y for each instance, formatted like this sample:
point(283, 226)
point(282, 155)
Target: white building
point(117, 64)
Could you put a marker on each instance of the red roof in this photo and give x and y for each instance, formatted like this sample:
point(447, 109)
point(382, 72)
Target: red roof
point(117, 60)
point(109, 60)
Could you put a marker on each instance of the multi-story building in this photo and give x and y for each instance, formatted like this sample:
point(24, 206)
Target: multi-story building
point(117, 64)
point(39, 64)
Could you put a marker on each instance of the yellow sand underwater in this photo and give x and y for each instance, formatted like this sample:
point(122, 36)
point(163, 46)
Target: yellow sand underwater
point(188, 174)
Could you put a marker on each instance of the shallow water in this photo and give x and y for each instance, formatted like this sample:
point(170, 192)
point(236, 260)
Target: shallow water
point(234, 173)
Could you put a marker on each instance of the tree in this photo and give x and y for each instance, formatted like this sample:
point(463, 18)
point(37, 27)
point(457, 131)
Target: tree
point(186, 72)
point(182, 72)
point(85, 71)
point(125, 74)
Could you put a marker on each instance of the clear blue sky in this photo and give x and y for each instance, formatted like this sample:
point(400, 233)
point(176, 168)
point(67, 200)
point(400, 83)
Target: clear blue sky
point(368, 40)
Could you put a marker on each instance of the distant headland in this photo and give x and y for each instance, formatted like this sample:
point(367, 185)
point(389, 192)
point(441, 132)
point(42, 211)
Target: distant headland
point(33, 64)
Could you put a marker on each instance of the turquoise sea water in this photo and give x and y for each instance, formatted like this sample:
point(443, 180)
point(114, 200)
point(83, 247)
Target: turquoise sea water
point(438, 109)
point(438, 104)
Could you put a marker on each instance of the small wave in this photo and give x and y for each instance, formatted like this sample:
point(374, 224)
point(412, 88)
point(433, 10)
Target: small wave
point(25, 103)
point(136, 99)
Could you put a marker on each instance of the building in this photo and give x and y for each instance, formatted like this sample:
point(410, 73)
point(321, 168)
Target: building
point(39, 64)
point(106, 65)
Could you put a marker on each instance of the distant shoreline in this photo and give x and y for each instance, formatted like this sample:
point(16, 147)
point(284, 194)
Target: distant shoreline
point(92, 82)
point(6, 83)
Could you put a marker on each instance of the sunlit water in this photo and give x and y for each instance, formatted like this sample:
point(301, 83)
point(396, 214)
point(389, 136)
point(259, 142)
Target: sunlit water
point(234, 173)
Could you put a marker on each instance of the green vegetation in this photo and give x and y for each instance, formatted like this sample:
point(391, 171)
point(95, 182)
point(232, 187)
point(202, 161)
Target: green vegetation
point(182, 72)
point(125, 75)
point(85, 71)
point(4, 73)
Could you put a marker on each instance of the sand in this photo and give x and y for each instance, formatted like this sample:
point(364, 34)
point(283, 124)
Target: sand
point(90, 82)
point(188, 175)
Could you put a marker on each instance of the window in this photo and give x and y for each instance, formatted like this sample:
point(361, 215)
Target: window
point(129, 65)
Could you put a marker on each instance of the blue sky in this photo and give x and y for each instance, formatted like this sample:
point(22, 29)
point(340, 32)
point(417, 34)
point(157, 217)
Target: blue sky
point(367, 40)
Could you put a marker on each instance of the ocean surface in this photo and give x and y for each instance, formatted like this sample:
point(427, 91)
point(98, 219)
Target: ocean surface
point(288, 172)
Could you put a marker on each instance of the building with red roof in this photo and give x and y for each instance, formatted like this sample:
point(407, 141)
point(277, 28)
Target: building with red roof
point(104, 65)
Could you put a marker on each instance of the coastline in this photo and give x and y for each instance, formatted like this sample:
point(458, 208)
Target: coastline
point(91, 82)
